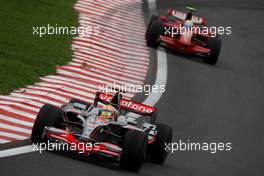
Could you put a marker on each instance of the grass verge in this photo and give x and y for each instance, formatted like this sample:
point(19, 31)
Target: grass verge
point(25, 57)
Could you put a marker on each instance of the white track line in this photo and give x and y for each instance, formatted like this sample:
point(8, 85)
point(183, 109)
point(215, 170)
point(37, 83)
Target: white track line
point(162, 66)
point(16, 151)
point(161, 78)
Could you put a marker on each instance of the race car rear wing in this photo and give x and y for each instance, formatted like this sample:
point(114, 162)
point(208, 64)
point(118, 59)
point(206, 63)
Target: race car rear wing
point(182, 16)
point(124, 104)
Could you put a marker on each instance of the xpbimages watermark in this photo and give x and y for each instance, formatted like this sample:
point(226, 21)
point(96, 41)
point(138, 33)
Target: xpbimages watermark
point(211, 147)
point(146, 89)
point(82, 31)
point(213, 30)
point(77, 147)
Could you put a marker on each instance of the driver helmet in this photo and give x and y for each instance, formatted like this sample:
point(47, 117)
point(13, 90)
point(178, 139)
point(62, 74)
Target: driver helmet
point(188, 24)
point(108, 112)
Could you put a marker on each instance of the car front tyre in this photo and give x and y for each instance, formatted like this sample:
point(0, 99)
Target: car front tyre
point(214, 44)
point(155, 30)
point(152, 19)
point(48, 115)
point(134, 150)
point(156, 151)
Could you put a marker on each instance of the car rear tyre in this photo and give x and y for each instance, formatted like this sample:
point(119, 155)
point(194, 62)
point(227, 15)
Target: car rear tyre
point(152, 19)
point(48, 115)
point(155, 30)
point(214, 44)
point(134, 150)
point(156, 151)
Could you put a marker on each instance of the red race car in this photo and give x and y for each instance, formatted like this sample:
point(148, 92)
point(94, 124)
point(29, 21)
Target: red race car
point(184, 33)
point(106, 128)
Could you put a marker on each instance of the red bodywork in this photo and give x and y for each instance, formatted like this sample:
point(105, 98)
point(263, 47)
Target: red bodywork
point(79, 148)
point(105, 148)
point(183, 42)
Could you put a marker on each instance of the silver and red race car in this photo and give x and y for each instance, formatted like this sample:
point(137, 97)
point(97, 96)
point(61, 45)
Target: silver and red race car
point(185, 33)
point(114, 133)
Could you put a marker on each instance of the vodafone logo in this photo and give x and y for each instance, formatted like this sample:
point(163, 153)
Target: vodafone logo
point(105, 97)
point(128, 104)
point(137, 107)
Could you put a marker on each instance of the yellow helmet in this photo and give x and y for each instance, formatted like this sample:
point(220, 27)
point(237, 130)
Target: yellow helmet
point(188, 23)
point(108, 112)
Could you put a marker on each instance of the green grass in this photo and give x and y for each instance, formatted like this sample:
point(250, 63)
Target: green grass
point(25, 57)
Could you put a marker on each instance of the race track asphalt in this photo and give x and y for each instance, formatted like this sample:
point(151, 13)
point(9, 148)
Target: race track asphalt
point(222, 103)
